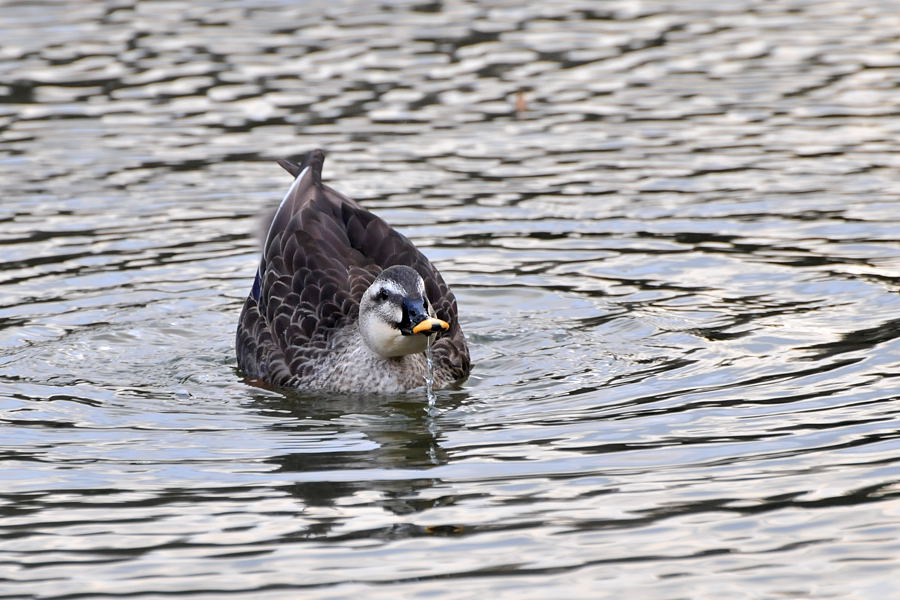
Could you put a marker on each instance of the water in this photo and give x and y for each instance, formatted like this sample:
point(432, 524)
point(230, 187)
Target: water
point(429, 377)
point(676, 259)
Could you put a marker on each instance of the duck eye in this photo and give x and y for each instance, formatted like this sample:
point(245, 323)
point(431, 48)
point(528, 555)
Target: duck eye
point(382, 295)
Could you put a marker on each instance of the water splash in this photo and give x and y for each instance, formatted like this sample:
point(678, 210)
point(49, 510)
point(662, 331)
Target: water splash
point(429, 378)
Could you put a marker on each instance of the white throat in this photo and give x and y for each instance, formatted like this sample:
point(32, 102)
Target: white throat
point(387, 341)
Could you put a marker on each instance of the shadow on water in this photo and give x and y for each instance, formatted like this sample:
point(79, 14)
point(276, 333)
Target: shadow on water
point(392, 433)
point(866, 339)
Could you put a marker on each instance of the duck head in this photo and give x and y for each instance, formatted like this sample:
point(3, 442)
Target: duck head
point(395, 316)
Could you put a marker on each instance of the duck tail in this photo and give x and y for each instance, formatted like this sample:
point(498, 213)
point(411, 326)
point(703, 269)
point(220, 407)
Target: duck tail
point(291, 167)
point(314, 160)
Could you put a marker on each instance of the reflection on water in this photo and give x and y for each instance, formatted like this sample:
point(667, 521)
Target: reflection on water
point(671, 229)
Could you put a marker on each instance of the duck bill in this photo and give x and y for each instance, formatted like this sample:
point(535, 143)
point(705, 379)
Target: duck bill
point(431, 325)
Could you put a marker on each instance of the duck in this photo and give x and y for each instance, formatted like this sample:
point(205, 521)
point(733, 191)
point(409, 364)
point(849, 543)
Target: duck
point(342, 302)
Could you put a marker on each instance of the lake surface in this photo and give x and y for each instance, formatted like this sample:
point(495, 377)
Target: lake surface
point(672, 228)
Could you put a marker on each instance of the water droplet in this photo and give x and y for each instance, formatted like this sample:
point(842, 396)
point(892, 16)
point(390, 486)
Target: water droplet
point(429, 378)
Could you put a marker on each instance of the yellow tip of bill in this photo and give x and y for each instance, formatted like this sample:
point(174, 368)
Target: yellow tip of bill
point(431, 324)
